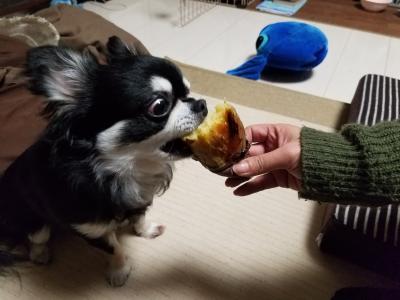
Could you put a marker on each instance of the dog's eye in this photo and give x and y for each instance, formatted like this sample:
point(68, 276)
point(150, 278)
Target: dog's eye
point(159, 107)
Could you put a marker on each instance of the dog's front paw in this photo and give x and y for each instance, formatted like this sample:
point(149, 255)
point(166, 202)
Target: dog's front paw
point(153, 230)
point(118, 277)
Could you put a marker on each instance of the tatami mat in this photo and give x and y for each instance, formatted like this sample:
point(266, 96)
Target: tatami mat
point(216, 246)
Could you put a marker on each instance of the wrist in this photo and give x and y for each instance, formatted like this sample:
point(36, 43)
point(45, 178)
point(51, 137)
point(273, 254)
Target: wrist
point(330, 166)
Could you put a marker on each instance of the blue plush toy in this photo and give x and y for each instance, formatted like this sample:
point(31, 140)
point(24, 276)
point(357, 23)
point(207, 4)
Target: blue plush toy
point(286, 45)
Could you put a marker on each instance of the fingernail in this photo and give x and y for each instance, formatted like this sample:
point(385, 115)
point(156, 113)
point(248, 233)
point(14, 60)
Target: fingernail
point(241, 168)
point(237, 193)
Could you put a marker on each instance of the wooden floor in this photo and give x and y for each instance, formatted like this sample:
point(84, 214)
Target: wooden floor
point(349, 13)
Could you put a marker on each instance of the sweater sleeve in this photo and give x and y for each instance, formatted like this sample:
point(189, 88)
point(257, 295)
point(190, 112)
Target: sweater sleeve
point(358, 165)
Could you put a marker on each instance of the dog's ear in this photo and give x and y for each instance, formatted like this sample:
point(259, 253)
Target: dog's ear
point(118, 50)
point(62, 75)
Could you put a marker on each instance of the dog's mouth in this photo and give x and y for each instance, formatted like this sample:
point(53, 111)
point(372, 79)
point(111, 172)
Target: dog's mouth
point(177, 147)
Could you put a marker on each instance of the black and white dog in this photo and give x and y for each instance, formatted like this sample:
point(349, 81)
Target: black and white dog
point(114, 131)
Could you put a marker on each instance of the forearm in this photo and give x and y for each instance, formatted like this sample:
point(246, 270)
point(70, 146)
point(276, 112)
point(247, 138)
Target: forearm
point(357, 165)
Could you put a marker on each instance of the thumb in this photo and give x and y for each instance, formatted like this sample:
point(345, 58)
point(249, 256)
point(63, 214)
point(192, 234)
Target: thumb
point(278, 159)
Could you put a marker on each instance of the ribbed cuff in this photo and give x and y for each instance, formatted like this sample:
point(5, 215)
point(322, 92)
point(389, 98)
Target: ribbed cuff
point(348, 167)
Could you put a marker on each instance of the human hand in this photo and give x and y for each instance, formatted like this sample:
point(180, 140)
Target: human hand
point(273, 160)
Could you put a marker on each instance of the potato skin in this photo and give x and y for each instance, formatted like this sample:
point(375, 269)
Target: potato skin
point(220, 143)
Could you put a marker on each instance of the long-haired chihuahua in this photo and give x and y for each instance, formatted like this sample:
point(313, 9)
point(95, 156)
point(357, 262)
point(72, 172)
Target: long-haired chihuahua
point(113, 134)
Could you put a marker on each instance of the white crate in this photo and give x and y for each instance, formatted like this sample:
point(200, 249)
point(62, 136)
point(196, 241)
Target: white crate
point(191, 9)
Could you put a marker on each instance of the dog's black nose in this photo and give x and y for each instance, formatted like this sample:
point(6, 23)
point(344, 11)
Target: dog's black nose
point(200, 106)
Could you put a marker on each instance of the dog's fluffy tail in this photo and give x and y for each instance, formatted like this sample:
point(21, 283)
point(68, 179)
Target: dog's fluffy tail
point(9, 256)
point(8, 261)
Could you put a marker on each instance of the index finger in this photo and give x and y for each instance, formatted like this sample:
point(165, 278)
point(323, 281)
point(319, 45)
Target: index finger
point(257, 133)
point(278, 159)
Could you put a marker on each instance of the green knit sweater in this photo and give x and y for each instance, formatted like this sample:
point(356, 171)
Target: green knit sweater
point(358, 165)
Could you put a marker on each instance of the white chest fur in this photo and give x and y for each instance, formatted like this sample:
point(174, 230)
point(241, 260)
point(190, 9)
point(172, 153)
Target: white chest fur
point(137, 177)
